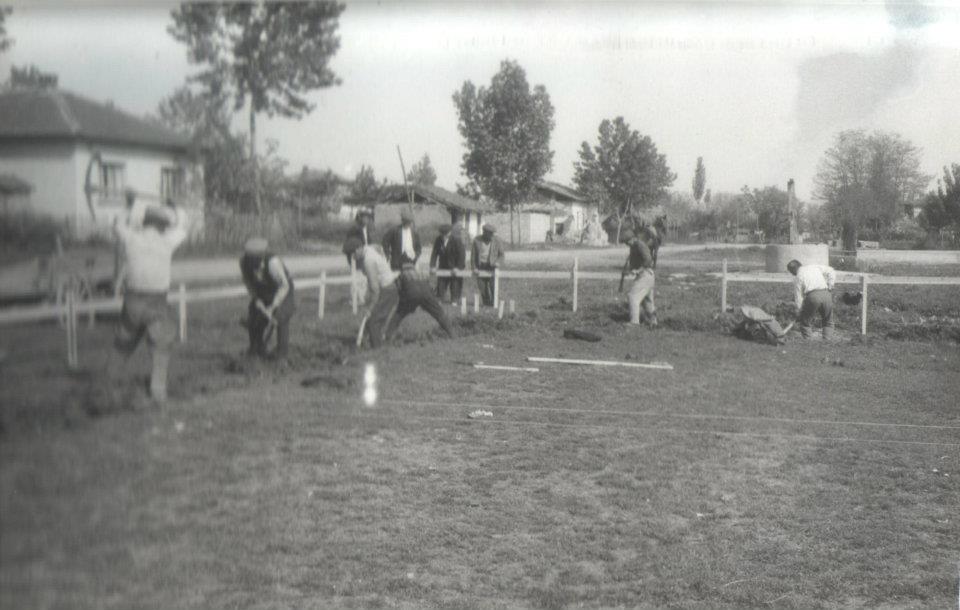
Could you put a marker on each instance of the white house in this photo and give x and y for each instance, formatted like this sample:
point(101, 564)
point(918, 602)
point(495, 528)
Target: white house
point(79, 156)
point(554, 212)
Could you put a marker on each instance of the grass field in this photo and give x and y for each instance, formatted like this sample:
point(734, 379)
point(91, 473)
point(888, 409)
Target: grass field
point(808, 475)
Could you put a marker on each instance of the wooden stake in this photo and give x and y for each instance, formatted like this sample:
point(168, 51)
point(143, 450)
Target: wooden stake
point(183, 312)
point(863, 304)
point(497, 367)
point(636, 365)
point(463, 306)
point(71, 330)
point(354, 304)
point(513, 307)
point(476, 302)
point(723, 287)
point(322, 294)
point(576, 265)
point(496, 286)
point(500, 310)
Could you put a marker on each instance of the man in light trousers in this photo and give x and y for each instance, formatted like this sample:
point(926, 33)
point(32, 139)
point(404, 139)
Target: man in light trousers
point(639, 267)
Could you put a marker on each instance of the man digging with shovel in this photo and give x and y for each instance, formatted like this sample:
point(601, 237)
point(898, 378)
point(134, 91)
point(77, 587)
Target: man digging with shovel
point(813, 286)
point(271, 298)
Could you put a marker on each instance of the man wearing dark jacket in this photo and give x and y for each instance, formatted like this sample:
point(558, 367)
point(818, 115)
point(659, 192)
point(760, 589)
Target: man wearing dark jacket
point(362, 230)
point(271, 297)
point(448, 254)
point(401, 245)
point(487, 255)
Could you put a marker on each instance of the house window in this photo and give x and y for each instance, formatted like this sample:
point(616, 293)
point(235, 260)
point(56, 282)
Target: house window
point(112, 180)
point(171, 183)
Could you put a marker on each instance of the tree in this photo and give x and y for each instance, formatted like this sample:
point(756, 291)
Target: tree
point(941, 208)
point(706, 197)
point(365, 186)
point(623, 171)
point(5, 41)
point(506, 130)
point(769, 210)
point(31, 77)
point(865, 180)
point(422, 172)
point(699, 180)
point(266, 55)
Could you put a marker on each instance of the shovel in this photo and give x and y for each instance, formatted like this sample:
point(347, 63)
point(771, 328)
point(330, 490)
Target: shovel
point(363, 325)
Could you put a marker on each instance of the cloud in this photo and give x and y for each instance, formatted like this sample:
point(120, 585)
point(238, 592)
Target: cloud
point(842, 90)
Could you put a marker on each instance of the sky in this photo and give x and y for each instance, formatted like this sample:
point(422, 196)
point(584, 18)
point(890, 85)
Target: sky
point(758, 89)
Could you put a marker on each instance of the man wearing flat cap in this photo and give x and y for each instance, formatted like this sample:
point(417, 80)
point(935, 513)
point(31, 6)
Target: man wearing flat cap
point(639, 268)
point(271, 297)
point(448, 254)
point(393, 295)
point(401, 245)
point(147, 244)
point(486, 255)
point(362, 228)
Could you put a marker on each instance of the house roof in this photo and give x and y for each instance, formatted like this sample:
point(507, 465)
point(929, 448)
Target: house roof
point(14, 185)
point(560, 191)
point(54, 113)
point(435, 194)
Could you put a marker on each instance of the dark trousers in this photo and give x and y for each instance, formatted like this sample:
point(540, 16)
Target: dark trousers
point(816, 302)
point(453, 284)
point(257, 324)
point(485, 286)
point(397, 302)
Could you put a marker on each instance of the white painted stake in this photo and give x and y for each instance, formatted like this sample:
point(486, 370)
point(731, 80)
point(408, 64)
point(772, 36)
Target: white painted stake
point(353, 286)
point(72, 359)
point(513, 307)
point(723, 287)
point(322, 295)
point(636, 365)
point(496, 286)
point(500, 310)
point(463, 306)
point(576, 265)
point(183, 313)
point(476, 302)
point(497, 367)
point(863, 304)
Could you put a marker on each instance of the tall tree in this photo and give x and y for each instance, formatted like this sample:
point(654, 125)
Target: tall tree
point(365, 187)
point(941, 208)
point(267, 55)
point(5, 40)
point(699, 180)
point(506, 130)
point(31, 77)
point(866, 179)
point(623, 171)
point(422, 172)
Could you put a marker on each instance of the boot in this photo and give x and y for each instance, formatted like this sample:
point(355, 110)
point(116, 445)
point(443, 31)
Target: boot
point(158, 377)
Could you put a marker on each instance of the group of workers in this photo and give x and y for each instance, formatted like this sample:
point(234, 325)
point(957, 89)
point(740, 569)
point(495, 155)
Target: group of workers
point(149, 234)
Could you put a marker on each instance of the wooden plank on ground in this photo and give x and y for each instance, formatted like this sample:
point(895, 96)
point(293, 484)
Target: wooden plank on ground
point(637, 365)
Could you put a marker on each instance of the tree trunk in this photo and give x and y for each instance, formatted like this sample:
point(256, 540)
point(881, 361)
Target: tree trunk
point(253, 160)
point(849, 236)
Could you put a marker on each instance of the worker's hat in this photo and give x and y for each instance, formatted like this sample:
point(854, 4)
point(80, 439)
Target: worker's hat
point(444, 228)
point(406, 215)
point(627, 236)
point(255, 246)
point(489, 228)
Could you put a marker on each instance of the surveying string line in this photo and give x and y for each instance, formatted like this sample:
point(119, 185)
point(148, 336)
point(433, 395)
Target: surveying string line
point(765, 435)
point(785, 420)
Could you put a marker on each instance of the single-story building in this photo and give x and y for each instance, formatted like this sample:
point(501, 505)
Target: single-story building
point(80, 156)
point(432, 205)
point(14, 194)
point(554, 213)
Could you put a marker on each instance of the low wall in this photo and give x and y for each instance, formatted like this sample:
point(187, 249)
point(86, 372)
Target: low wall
point(920, 257)
point(778, 255)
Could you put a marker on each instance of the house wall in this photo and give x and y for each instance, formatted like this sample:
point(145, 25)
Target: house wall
point(142, 172)
point(49, 167)
point(529, 227)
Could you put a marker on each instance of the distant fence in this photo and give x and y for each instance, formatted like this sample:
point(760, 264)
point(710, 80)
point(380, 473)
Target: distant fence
point(71, 309)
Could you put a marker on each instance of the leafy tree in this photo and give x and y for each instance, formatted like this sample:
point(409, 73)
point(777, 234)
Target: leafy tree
point(769, 210)
point(422, 172)
point(706, 197)
point(365, 186)
point(266, 55)
point(865, 180)
point(31, 77)
point(506, 129)
point(5, 40)
point(317, 190)
point(623, 171)
point(699, 180)
point(941, 208)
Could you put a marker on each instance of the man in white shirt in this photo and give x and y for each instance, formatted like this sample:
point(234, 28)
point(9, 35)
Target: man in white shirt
point(812, 295)
point(147, 253)
point(402, 244)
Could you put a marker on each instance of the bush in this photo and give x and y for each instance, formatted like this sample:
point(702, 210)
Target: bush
point(27, 231)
